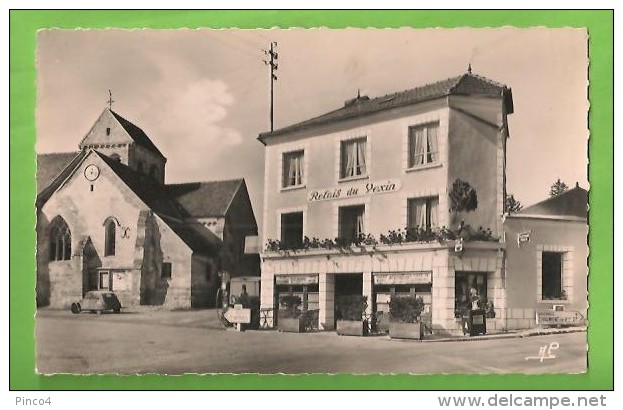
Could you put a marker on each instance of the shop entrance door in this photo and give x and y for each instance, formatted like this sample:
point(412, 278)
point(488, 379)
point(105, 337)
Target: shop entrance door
point(347, 284)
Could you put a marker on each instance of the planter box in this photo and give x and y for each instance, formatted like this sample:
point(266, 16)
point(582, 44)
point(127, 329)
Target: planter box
point(352, 327)
point(291, 324)
point(382, 323)
point(399, 330)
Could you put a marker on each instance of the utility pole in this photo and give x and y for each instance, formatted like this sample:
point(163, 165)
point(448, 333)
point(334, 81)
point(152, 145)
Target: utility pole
point(272, 53)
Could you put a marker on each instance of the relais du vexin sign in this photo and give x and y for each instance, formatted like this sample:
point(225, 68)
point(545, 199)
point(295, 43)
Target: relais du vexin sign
point(362, 188)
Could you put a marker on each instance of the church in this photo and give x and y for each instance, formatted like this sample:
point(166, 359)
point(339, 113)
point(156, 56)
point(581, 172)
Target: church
point(106, 220)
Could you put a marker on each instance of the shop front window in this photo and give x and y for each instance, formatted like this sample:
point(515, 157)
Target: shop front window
point(470, 292)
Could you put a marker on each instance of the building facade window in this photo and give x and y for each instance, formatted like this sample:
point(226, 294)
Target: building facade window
point(351, 222)
point(353, 158)
point(551, 276)
point(166, 271)
point(293, 169)
point(105, 280)
point(423, 213)
point(60, 240)
point(292, 229)
point(110, 237)
point(423, 145)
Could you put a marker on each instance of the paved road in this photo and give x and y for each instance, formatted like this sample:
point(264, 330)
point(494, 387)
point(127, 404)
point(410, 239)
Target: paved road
point(191, 342)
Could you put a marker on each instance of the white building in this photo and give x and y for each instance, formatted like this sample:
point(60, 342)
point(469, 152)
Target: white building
point(382, 164)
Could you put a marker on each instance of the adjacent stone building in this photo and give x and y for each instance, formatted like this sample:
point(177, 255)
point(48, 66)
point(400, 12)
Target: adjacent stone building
point(107, 220)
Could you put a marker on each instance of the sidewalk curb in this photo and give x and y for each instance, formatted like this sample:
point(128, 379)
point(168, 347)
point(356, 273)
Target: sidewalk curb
point(516, 335)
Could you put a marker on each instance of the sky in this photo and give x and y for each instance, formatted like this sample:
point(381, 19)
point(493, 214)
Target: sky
point(202, 96)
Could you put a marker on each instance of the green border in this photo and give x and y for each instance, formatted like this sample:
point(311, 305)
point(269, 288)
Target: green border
point(23, 26)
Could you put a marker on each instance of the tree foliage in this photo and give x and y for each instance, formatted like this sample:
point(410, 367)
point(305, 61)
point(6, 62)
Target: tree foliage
point(463, 197)
point(558, 188)
point(512, 205)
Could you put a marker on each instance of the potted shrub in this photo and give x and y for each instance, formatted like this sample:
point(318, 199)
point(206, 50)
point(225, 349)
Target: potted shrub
point(350, 312)
point(404, 314)
point(290, 318)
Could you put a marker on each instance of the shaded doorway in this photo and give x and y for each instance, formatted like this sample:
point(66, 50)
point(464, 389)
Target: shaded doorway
point(347, 284)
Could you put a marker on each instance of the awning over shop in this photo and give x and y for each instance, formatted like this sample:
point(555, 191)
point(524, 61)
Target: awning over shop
point(403, 278)
point(296, 279)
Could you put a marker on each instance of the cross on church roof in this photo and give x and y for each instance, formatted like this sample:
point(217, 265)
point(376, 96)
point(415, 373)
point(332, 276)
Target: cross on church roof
point(110, 100)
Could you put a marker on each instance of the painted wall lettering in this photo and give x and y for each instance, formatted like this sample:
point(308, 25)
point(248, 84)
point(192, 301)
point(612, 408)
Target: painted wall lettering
point(354, 190)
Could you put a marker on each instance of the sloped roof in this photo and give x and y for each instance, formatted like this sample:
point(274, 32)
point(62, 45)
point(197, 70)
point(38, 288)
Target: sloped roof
point(50, 165)
point(196, 236)
point(573, 202)
point(205, 199)
point(46, 191)
point(156, 197)
point(151, 192)
point(466, 84)
point(137, 134)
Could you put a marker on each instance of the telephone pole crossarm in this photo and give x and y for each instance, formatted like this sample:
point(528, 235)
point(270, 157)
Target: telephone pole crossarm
point(272, 62)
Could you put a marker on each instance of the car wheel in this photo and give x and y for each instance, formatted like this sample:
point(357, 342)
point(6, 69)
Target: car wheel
point(75, 308)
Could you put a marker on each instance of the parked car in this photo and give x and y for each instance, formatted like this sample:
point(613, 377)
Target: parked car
point(97, 301)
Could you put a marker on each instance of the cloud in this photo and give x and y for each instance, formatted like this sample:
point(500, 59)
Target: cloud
point(190, 115)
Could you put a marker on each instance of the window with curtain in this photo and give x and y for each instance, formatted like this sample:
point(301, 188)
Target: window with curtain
point(60, 240)
point(293, 169)
point(353, 158)
point(423, 213)
point(351, 222)
point(110, 233)
point(423, 145)
point(551, 276)
point(292, 229)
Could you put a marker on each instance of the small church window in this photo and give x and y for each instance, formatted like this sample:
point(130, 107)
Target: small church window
point(60, 240)
point(108, 131)
point(110, 237)
point(166, 270)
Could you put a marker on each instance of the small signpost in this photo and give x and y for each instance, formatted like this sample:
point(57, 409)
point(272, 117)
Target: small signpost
point(559, 318)
point(239, 316)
